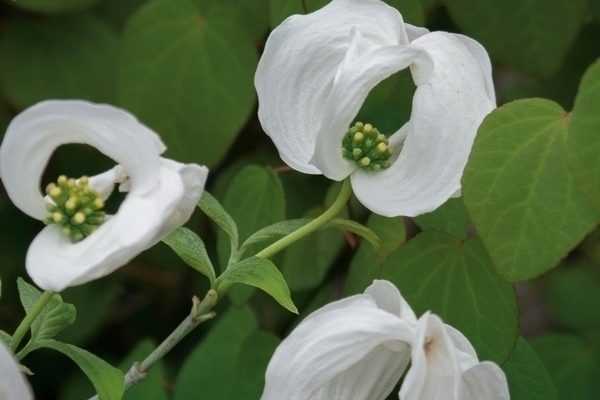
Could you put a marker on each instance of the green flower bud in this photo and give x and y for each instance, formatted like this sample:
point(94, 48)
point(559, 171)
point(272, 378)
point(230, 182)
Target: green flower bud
point(366, 146)
point(75, 207)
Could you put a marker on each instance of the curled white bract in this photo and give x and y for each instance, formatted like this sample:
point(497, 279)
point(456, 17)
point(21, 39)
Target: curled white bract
point(359, 348)
point(318, 69)
point(356, 348)
point(162, 193)
point(13, 384)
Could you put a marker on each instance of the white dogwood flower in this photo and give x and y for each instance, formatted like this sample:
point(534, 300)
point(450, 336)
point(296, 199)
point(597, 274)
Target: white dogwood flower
point(316, 72)
point(359, 348)
point(13, 384)
point(355, 348)
point(81, 242)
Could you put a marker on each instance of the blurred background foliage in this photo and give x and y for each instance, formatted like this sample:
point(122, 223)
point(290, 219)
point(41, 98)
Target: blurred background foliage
point(185, 68)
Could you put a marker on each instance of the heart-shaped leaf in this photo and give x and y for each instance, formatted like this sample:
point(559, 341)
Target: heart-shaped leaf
point(519, 192)
point(188, 73)
point(517, 32)
point(69, 57)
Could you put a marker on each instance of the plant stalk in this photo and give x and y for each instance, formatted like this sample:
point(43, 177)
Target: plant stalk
point(329, 214)
point(201, 312)
point(25, 324)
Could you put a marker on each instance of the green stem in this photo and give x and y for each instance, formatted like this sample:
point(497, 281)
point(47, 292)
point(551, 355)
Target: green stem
point(337, 206)
point(33, 313)
point(201, 312)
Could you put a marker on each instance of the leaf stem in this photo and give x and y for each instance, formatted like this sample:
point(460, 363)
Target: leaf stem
point(329, 214)
point(201, 312)
point(25, 324)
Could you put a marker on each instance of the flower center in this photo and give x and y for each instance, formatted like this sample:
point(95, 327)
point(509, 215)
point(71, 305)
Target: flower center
point(75, 207)
point(367, 147)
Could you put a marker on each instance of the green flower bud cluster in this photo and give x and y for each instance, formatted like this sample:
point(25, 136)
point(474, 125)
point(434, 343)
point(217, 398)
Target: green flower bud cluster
point(75, 207)
point(366, 146)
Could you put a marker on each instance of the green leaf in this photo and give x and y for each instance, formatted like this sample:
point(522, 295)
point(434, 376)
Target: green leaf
point(411, 10)
point(252, 15)
point(451, 218)
point(117, 12)
point(255, 199)
point(55, 317)
point(54, 6)
point(346, 225)
point(572, 296)
point(271, 233)
point(281, 9)
point(517, 32)
point(152, 387)
point(366, 263)
point(68, 57)
point(192, 251)
point(584, 136)
point(259, 273)
point(528, 378)
point(107, 380)
point(215, 211)
point(573, 365)
point(519, 192)
point(251, 365)
point(211, 364)
point(455, 279)
point(189, 75)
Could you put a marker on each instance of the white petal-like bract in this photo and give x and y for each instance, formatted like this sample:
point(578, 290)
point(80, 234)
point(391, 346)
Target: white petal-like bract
point(450, 102)
point(444, 365)
point(359, 347)
point(353, 348)
point(317, 71)
point(13, 385)
point(161, 194)
point(298, 67)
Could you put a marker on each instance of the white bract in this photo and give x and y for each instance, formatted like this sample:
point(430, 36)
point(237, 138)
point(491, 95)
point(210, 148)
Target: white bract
point(358, 348)
point(318, 69)
point(13, 384)
point(162, 193)
point(444, 365)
